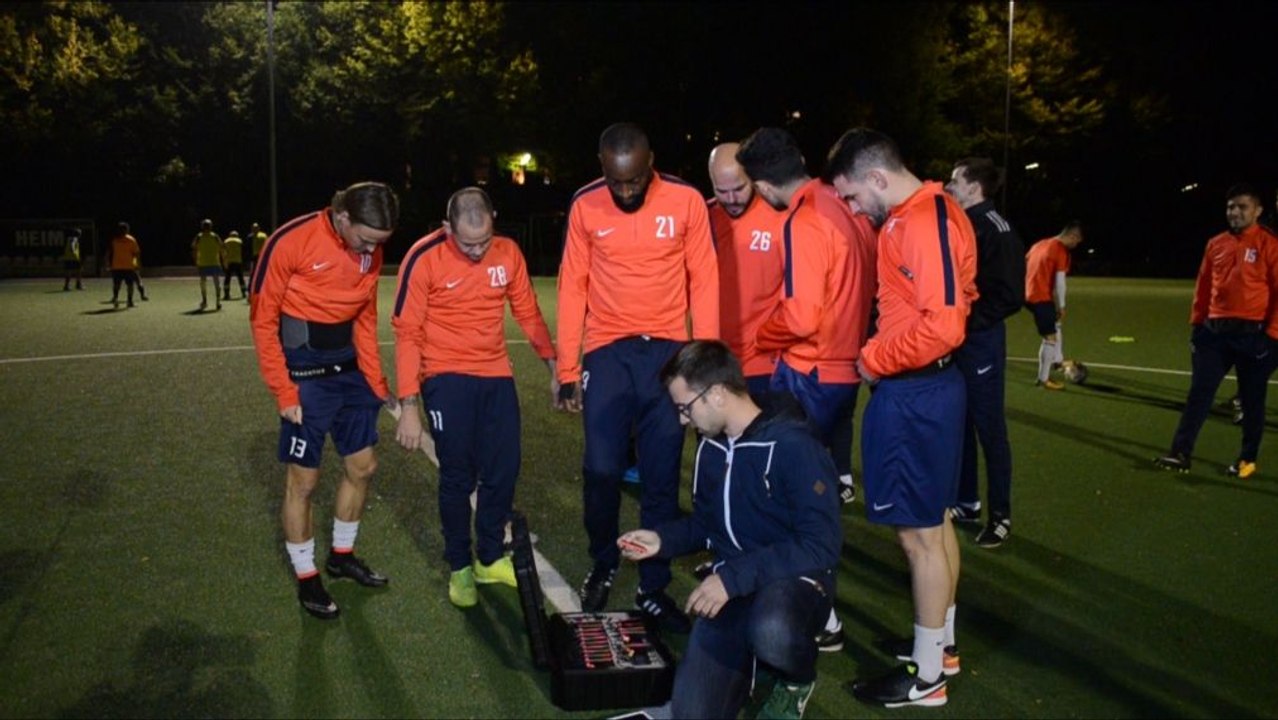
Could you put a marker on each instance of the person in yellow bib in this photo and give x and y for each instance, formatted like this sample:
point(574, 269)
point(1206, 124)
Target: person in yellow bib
point(208, 254)
point(257, 240)
point(71, 260)
point(233, 251)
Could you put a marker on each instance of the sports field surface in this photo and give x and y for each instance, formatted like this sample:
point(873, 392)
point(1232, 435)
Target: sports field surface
point(142, 572)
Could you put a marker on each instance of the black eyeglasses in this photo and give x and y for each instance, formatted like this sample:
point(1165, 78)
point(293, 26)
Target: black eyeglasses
point(685, 409)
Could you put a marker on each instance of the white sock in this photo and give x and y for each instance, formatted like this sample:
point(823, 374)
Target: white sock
point(1046, 356)
point(949, 626)
point(929, 643)
point(832, 623)
point(302, 556)
point(846, 479)
point(344, 535)
point(1060, 345)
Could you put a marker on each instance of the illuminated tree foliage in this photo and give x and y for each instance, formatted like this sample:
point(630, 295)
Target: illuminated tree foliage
point(60, 63)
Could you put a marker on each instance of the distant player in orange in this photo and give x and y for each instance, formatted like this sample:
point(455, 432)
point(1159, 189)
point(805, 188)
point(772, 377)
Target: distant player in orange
point(453, 288)
point(748, 242)
point(1235, 325)
point(912, 432)
point(1046, 265)
point(122, 257)
point(313, 310)
point(638, 259)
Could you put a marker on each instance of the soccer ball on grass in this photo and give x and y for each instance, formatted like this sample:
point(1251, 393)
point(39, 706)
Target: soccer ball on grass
point(1074, 371)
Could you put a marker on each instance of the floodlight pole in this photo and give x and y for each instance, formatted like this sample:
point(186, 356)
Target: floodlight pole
point(270, 91)
point(1007, 106)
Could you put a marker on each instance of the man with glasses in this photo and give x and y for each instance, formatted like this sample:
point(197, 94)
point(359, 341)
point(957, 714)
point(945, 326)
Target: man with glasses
point(453, 288)
point(766, 504)
point(313, 310)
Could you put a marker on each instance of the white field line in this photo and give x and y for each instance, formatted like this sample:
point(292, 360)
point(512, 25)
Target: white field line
point(554, 588)
point(170, 351)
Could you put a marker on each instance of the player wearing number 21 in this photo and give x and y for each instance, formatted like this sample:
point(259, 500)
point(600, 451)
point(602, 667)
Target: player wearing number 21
point(637, 261)
point(450, 345)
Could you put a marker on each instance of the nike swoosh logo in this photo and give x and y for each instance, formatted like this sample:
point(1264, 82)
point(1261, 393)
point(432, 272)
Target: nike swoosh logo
point(982, 371)
point(604, 233)
point(916, 694)
point(319, 266)
point(453, 284)
point(881, 508)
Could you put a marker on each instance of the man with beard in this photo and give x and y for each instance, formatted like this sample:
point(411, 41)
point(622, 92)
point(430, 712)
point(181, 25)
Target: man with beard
point(747, 240)
point(912, 432)
point(1235, 320)
point(822, 316)
point(637, 260)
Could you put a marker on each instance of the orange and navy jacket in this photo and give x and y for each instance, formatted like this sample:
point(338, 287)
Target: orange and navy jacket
point(927, 282)
point(308, 272)
point(460, 304)
point(1044, 259)
point(823, 317)
point(124, 252)
point(751, 268)
point(1238, 278)
point(641, 273)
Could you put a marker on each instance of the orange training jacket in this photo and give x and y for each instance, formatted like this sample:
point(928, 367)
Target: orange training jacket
point(823, 316)
point(1044, 259)
point(927, 282)
point(460, 305)
point(1238, 278)
point(641, 273)
point(308, 272)
point(751, 268)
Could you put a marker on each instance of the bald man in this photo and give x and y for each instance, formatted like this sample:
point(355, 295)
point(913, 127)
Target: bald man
point(638, 260)
point(454, 286)
point(747, 240)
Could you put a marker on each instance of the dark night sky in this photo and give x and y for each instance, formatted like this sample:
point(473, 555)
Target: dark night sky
point(741, 66)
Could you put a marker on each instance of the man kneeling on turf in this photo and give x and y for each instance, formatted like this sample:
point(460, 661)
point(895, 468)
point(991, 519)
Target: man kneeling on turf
point(766, 503)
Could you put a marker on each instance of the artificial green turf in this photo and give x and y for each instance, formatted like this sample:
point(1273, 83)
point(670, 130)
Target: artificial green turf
point(142, 574)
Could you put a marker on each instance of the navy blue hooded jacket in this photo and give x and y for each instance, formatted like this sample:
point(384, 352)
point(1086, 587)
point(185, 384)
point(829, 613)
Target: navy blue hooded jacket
point(766, 504)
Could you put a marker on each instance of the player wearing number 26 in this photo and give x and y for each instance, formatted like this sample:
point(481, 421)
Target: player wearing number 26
point(450, 346)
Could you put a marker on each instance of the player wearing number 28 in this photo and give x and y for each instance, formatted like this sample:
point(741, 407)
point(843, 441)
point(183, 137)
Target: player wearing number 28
point(450, 345)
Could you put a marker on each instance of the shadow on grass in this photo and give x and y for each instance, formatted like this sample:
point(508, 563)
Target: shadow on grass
point(1127, 448)
point(106, 311)
point(1153, 653)
point(1158, 396)
point(23, 571)
point(375, 672)
point(180, 670)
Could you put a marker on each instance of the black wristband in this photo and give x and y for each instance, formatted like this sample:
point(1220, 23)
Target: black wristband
point(567, 391)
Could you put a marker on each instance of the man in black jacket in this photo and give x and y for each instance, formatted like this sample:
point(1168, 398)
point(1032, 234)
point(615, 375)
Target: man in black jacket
point(1000, 280)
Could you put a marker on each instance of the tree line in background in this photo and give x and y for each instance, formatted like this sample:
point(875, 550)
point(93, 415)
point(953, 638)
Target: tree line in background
point(157, 113)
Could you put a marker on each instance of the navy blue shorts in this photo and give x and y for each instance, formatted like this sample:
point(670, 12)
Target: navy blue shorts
point(825, 403)
point(912, 448)
point(1044, 317)
point(343, 406)
point(211, 271)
